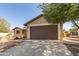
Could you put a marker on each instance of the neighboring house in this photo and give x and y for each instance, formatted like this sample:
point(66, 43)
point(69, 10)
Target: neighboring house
point(39, 28)
point(19, 32)
point(75, 32)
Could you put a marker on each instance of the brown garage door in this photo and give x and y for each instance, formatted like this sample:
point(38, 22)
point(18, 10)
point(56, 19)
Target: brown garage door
point(44, 32)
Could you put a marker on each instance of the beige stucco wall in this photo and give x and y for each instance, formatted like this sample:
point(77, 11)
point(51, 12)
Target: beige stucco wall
point(40, 22)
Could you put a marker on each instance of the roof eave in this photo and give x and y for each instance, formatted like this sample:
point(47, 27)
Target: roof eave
point(33, 19)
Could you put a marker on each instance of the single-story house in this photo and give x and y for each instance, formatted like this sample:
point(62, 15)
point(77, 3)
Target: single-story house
point(19, 32)
point(75, 32)
point(39, 28)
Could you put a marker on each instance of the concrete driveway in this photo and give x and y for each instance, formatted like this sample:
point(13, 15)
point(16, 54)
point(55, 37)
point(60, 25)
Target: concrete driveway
point(38, 48)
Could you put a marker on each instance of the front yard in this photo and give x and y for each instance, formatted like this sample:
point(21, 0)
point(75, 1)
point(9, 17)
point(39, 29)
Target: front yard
point(38, 48)
point(22, 47)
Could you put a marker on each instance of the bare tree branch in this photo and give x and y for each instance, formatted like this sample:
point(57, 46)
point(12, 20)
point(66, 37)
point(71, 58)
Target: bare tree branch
point(73, 21)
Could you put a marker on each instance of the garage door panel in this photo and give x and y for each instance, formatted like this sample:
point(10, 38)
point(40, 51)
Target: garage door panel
point(44, 32)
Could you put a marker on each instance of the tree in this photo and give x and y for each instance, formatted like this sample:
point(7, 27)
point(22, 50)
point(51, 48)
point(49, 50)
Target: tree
point(4, 25)
point(59, 13)
point(74, 26)
point(66, 33)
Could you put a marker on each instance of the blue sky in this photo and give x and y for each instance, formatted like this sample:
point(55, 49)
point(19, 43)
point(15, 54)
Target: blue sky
point(18, 14)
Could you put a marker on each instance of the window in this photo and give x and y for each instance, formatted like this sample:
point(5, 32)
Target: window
point(17, 32)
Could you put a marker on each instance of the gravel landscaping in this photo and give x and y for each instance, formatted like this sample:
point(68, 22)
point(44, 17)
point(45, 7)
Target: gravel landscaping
point(73, 47)
point(38, 48)
point(6, 45)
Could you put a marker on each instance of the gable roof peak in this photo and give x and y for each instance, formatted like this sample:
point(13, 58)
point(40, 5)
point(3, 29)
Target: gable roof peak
point(33, 19)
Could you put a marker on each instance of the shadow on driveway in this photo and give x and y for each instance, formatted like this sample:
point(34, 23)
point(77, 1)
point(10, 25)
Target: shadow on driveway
point(74, 48)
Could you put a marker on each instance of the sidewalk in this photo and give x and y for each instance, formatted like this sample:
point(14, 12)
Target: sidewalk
point(71, 40)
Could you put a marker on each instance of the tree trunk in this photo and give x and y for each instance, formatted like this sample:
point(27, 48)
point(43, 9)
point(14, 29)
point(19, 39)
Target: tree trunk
point(61, 31)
